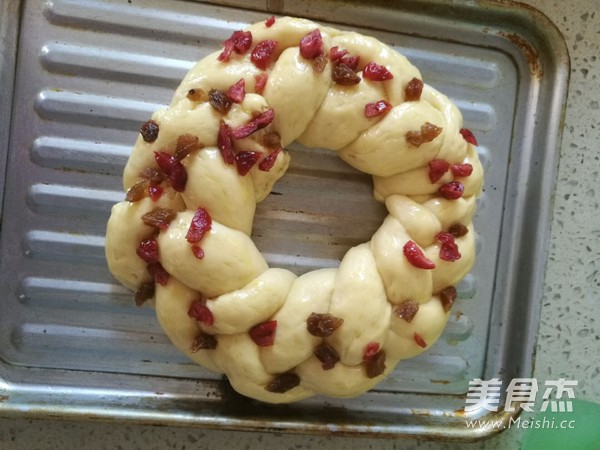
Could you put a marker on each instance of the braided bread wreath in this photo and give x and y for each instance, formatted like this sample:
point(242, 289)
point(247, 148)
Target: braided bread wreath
point(181, 239)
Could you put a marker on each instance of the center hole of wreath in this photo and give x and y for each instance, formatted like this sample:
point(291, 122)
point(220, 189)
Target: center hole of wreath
point(319, 210)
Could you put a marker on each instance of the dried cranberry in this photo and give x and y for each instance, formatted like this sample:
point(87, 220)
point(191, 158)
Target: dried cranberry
point(261, 121)
point(344, 75)
point(311, 45)
point(155, 192)
point(335, 53)
point(158, 272)
point(144, 293)
point(186, 144)
point(137, 191)
point(377, 108)
point(447, 297)
point(267, 164)
point(245, 161)
point(219, 100)
point(416, 257)
point(173, 168)
point(261, 82)
point(462, 170)
point(427, 133)
point(239, 42)
point(468, 136)
point(148, 251)
point(203, 341)
point(237, 92)
point(413, 90)
point(327, 355)
point(197, 251)
point(375, 366)
point(270, 21)
point(448, 249)
point(263, 334)
point(370, 350)
point(458, 230)
point(376, 72)
point(407, 310)
point(227, 49)
point(225, 143)
point(199, 311)
point(283, 383)
point(159, 217)
point(200, 225)
point(197, 95)
point(322, 325)
point(452, 190)
point(149, 131)
point(350, 61)
point(437, 169)
point(261, 54)
point(419, 340)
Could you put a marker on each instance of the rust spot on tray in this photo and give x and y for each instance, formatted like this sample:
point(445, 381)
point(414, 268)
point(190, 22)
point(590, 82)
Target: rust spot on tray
point(531, 54)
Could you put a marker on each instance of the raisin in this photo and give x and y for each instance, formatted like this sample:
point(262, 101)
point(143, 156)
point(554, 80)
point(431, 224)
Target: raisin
point(149, 131)
point(462, 170)
point(148, 250)
point(447, 297)
point(458, 230)
point(237, 92)
point(261, 82)
point(376, 72)
point(225, 143)
point(319, 64)
point(219, 100)
point(245, 161)
point(344, 75)
point(448, 249)
point(261, 54)
point(413, 90)
point(468, 136)
point(259, 122)
point(197, 95)
point(375, 365)
point(203, 341)
point(437, 169)
point(137, 192)
point(267, 164)
point(158, 272)
point(186, 144)
point(153, 176)
point(159, 217)
point(371, 350)
point(377, 108)
point(452, 190)
point(270, 21)
point(199, 311)
point(283, 383)
point(144, 293)
point(272, 140)
point(416, 257)
point(263, 334)
point(327, 355)
point(322, 325)
point(427, 133)
point(407, 310)
point(419, 340)
point(311, 45)
point(200, 225)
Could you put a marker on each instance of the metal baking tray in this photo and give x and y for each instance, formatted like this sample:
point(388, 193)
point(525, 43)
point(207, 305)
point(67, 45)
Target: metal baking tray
point(77, 80)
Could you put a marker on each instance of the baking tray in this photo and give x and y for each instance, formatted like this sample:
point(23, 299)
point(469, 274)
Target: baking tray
point(78, 79)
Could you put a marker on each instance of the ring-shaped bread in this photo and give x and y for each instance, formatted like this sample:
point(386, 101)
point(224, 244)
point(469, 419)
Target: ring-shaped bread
point(181, 239)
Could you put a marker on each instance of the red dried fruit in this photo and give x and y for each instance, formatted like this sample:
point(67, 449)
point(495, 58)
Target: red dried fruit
point(419, 340)
point(159, 217)
point(448, 249)
point(263, 334)
point(377, 108)
point(427, 133)
point(327, 355)
point(335, 53)
point(225, 143)
point(144, 293)
point(149, 131)
point(261, 54)
point(283, 383)
point(322, 325)
point(148, 251)
point(155, 192)
point(447, 297)
point(375, 366)
point(137, 192)
point(173, 168)
point(350, 61)
point(203, 341)
point(261, 121)
point(237, 92)
point(261, 82)
point(158, 272)
point(416, 257)
point(458, 230)
point(245, 161)
point(462, 170)
point(153, 176)
point(197, 95)
point(239, 42)
point(344, 75)
point(468, 136)
point(270, 21)
point(407, 310)
point(437, 169)
point(311, 45)
point(269, 161)
point(413, 90)
point(370, 350)
point(219, 100)
point(186, 144)
point(199, 311)
point(200, 225)
point(197, 251)
point(376, 72)
point(452, 190)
